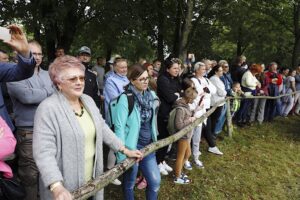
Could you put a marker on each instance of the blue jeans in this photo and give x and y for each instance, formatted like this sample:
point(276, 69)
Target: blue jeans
point(221, 120)
point(150, 171)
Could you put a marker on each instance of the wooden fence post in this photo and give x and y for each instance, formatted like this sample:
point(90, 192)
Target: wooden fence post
point(229, 119)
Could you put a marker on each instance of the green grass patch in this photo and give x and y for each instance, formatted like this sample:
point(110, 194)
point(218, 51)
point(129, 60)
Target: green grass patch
point(259, 162)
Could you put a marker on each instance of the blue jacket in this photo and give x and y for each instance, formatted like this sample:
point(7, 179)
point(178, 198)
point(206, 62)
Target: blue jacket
point(14, 72)
point(113, 87)
point(227, 80)
point(127, 128)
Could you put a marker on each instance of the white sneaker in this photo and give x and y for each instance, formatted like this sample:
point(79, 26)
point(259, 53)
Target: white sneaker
point(187, 165)
point(182, 180)
point(198, 164)
point(162, 169)
point(167, 167)
point(116, 182)
point(215, 150)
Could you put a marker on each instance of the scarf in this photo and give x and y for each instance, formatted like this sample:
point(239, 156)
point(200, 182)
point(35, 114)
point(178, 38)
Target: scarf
point(144, 101)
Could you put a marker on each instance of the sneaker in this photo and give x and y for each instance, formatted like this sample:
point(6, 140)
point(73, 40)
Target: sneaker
point(187, 165)
point(116, 182)
point(215, 150)
point(142, 184)
point(198, 164)
point(162, 169)
point(183, 175)
point(181, 180)
point(167, 167)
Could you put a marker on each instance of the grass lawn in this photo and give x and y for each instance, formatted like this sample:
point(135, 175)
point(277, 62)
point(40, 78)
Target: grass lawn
point(259, 162)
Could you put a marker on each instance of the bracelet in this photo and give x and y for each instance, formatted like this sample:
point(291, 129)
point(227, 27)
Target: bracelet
point(55, 185)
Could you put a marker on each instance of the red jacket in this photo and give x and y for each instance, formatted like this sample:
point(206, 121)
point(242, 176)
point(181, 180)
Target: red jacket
point(269, 76)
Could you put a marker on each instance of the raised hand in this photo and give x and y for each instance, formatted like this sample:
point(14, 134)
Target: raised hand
point(18, 41)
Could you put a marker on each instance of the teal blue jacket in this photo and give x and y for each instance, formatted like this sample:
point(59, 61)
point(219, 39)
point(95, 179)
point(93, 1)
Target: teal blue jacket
point(127, 128)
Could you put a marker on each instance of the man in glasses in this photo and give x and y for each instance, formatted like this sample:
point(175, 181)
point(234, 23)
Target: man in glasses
point(26, 95)
point(91, 86)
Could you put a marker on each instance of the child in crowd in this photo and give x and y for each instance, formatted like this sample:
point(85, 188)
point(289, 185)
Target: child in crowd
point(236, 102)
point(183, 117)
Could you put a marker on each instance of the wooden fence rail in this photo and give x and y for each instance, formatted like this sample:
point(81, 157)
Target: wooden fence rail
point(91, 188)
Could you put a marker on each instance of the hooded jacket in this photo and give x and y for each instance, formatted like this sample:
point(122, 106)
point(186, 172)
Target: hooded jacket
point(182, 117)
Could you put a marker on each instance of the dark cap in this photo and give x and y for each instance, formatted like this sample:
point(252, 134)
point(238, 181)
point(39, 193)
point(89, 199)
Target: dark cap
point(84, 49)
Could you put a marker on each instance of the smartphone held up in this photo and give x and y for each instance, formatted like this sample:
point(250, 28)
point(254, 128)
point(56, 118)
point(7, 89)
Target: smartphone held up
point(5, 34)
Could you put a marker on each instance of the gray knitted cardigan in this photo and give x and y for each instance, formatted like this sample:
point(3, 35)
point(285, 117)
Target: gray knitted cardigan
point(58, 143)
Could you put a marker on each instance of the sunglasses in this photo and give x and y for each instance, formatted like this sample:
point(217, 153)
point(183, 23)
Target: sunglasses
point(74, 79)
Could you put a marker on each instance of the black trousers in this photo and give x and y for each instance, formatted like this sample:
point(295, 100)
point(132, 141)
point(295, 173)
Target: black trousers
point(163, 133)
point(208, 134)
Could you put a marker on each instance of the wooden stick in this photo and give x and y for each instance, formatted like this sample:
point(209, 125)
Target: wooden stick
point(93, 186)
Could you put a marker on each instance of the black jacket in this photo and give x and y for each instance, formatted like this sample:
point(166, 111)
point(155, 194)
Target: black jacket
point(167, 86)
point(91, 87)
point(237, 73)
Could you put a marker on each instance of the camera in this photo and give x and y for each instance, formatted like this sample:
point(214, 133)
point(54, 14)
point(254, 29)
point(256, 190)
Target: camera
point(206, 90)
point(274, 75)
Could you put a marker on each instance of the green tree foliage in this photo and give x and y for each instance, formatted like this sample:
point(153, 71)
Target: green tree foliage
point(262, 30)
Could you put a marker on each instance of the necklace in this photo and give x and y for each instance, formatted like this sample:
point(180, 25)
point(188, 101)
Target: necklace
point(81, 113)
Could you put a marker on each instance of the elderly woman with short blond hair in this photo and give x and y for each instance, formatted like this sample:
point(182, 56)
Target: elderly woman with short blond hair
point(68, 134)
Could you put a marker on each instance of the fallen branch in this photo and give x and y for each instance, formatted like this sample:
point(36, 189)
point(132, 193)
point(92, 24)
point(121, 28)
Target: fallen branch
point(93, 186)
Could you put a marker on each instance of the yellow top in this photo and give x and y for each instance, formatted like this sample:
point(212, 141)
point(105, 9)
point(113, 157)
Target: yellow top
point(88, 127)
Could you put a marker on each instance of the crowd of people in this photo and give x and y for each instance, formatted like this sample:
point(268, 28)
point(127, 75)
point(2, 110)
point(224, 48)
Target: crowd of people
point(61, 116)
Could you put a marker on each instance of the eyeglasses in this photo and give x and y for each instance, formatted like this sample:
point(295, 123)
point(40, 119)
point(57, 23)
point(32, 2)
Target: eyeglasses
point(37, 54)
point(144, 80)
point(75, 79)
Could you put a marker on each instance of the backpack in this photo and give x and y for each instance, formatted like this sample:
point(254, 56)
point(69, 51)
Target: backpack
point(113, 104)
point(171, 121)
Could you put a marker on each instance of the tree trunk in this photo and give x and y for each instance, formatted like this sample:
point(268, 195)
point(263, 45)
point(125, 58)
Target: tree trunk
point(186, 29)
point(160, 27)
point(50, 46)
point(296, 52)
point(178, 28)
point(296, 49)
point(239, 42)
point(108, 53)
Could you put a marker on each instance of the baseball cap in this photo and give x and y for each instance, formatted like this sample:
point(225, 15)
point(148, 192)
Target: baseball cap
point(84, 49)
